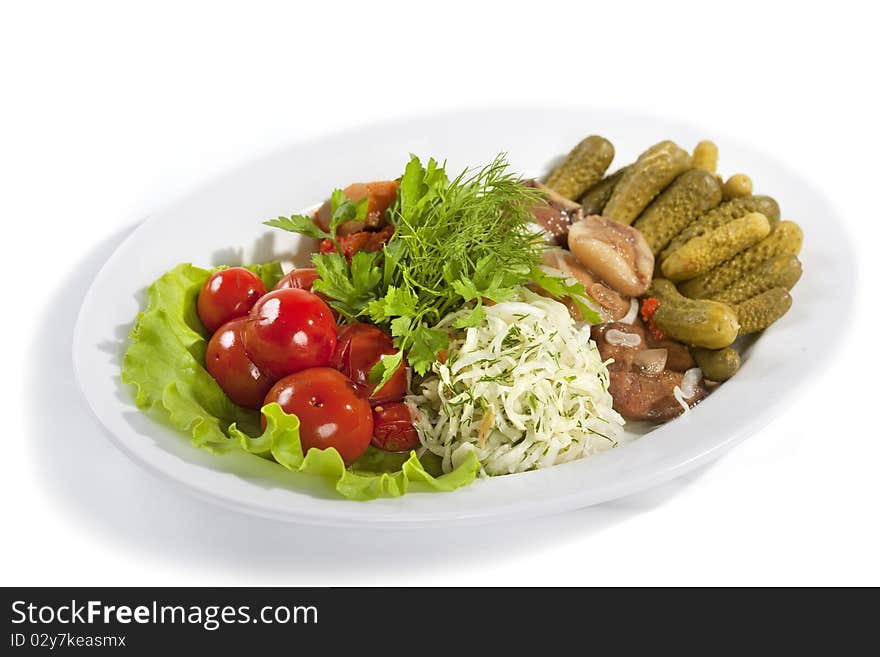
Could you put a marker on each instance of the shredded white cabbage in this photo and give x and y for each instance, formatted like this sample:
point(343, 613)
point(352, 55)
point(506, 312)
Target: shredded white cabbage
point(525, 389)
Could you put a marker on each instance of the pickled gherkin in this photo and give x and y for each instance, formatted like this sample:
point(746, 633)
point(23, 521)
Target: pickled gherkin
point(727, 211)
point(583, 168)
point(702, 323)
point(595, 198)
point(736, 186)
point(646, 178)
point(780, 271)
point(690, 195)
point(703, 253)
point(761, 311)
point(785, 239)
point(717, 364)
point(706, 156)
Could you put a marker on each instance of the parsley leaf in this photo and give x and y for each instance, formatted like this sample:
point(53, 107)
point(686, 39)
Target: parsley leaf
point(299, 223)
point(560, 288)
point(350, 288)
point(427, 343)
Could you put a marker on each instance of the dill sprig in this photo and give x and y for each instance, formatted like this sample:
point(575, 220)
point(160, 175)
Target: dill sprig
point(463, 240)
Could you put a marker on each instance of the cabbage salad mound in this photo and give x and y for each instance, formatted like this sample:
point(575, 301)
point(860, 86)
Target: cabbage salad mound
point(526, 388)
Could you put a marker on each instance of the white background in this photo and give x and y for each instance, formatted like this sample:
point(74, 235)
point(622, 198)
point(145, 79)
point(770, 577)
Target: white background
point(110, 110)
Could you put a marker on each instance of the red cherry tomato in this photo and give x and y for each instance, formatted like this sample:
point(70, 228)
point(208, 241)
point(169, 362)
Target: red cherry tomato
point(304, 279)
point(228, 294)
point(393, 429)
point(300, 279)
point(330, 411)
point(358, 348)
point(289, 330)
point(226, 360)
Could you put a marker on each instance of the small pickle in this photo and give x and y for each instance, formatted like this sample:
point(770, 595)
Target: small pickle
point(648, 176)
point(690, 195)
point(594, 200)
point(702, 323)
point(706, 156)
point(761, 311)
point(717, 364)
point(583, 168)
point(739, 184)
point(727, 211)
point(785, 239)
point(705, 252)
point(780, 271)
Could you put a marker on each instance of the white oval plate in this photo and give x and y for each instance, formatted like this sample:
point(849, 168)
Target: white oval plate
point(221, 224)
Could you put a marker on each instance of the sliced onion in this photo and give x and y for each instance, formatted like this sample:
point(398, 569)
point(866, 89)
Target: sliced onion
point(650, 361)
point(633, 312)
point(679, 397)
point(621, 338)
point(689, 382)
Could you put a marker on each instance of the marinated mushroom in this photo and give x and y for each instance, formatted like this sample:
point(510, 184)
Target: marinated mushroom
point(643, 377)
point(611, 305)
point(555, 213)
point(616, 253)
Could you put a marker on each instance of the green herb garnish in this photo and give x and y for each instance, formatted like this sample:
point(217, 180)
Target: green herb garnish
point(342, 209)
point(456, 242)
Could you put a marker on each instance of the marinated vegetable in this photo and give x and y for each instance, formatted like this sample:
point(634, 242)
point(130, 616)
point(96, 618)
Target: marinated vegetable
point(690, 195)
point(736, 186)
point(583, 168)
point(330, 410)
point(706, 156)
point(393, 428)
point(380, 195)
point(643, 378)
point(229, 364)
point(724, 213)
point(702, 323)
point(784, 239)
point(618, 254)
point(703, 253)
point(645, 179)
point(289, 330)
point(227, 295)
point(761, 311)
point(553, 213)
point(717, 364)
point(358, 349)
point(609, 303)
point(780, 271)
point(594, 200)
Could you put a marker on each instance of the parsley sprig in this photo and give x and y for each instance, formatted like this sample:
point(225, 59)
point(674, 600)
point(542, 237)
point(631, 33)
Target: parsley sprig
point(342, 209)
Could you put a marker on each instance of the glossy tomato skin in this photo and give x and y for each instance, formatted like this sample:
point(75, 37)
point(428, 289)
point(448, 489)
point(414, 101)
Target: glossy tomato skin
point(228, 294)
point(330, 411)
point(304, 279)
point(289, 330)
point(301, 279)
point(238, 376)
point(358, 348)
point(393, 429)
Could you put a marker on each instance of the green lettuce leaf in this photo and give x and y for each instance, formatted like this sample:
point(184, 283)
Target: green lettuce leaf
point(165, 365)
